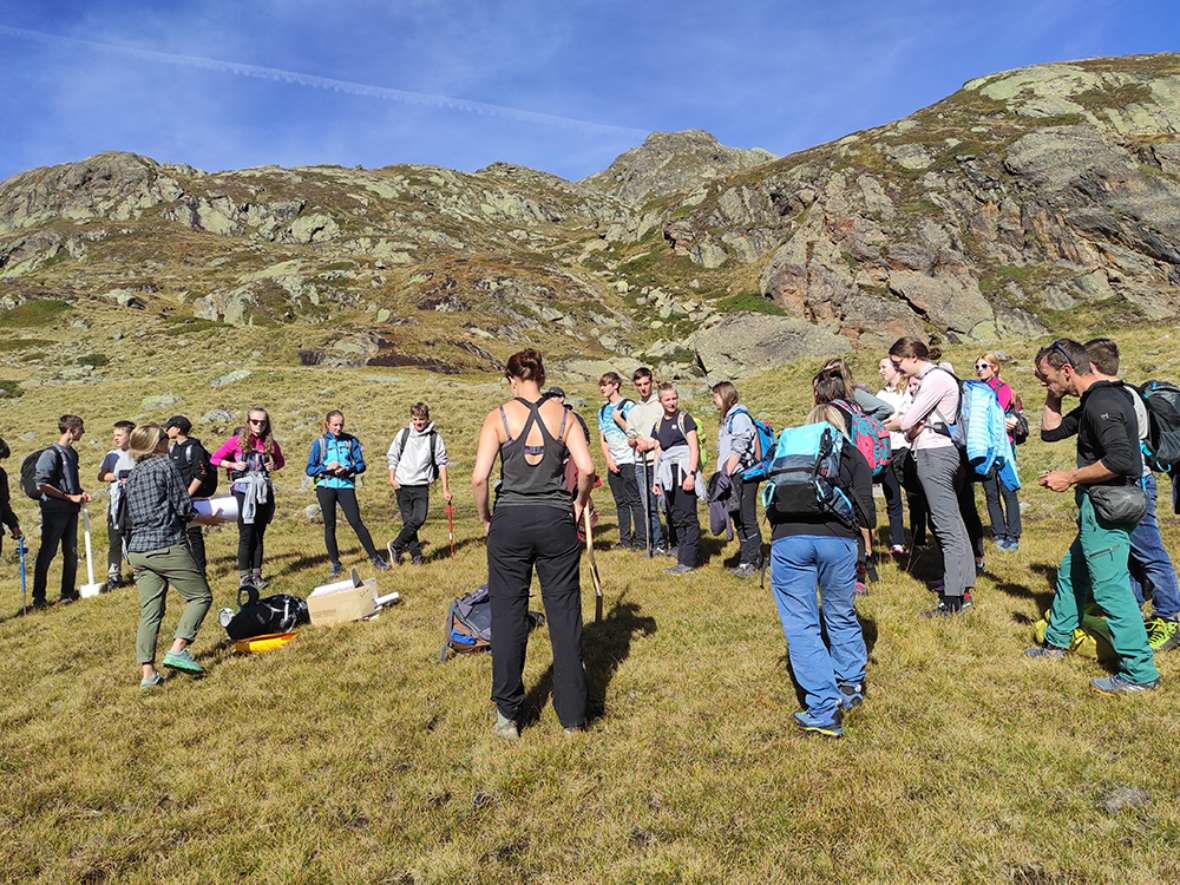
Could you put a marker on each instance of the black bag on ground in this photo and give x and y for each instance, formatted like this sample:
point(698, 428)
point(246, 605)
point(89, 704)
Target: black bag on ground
point(274, 614)
point(468, 627)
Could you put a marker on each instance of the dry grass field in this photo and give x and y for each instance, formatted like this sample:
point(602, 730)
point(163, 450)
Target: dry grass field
point(352, 755)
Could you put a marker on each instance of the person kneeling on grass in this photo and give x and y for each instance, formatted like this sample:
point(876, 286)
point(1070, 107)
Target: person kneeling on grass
point(416, 457)
point(159, 509)
point(811, 544)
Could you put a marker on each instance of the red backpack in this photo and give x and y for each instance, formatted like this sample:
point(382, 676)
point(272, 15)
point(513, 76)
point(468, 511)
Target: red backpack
point(868, 434)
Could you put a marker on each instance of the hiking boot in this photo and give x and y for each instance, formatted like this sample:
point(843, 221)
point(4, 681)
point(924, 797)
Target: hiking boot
point(378, 563)
point(67, 598)
point(862, 589)
point(673, 552)
point(1163, 634)
point(114, 578)
point(852, 694)
point(258, 581)
point(183, 660)
point(968, 602)
point(154, 681)
point(679, 569)
point(1045, 652)
point(745, 570)
point(335, 570)
point(417, 560)
point(1116, 684)
point(224, 616)
point(39, 604)
point(505, 728)
point(948, 606)
point(815, 725)
point(660, 550)
point(979, 566)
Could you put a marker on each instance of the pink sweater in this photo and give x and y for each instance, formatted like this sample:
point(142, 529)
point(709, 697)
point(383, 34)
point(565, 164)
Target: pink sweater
point(938, 391)
point(231, 450)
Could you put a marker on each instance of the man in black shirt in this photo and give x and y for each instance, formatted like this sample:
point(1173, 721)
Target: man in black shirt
point(200, 480)
point(62, 497)
point(1095, 566)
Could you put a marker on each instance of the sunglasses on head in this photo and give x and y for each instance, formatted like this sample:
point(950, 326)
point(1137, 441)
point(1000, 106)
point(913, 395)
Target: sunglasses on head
point(1060, 348)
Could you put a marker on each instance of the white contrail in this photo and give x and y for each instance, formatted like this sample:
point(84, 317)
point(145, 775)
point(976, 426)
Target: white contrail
point(444, 102)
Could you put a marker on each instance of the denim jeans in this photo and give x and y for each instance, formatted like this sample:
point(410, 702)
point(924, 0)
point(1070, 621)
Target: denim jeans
point(655, 527)
point(797, 563)
point(1149, 562)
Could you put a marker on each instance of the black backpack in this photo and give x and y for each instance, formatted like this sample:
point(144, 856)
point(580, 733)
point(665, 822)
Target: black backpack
point(468, 627)
point(28, 473)
point(209, 472)
point(1161, 449)
point(274, 614)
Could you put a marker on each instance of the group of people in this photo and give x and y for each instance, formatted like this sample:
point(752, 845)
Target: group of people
point(654, 453)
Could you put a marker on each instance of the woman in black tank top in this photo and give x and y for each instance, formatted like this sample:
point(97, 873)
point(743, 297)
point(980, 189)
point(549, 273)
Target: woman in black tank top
point(532, 526)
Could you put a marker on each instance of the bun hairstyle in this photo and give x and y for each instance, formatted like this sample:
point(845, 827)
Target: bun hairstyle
point(145, 439)
point(828, 386)
point(526, 365)
point(910, 347)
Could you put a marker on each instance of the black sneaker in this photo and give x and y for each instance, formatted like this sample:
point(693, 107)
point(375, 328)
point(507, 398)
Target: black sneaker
point(1045, 652)
point(395, 554)
point(948, 606)
point(40, 604)
point(335, 570)
point(380, 564)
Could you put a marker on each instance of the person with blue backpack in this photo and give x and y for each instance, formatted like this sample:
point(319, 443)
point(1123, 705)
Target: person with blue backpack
point(742, 444)
point(620, 463)
point(925, 422)
point(818, 498)
point(334, 462)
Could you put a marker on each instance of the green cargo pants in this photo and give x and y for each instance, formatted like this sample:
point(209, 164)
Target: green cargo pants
point(1096, 566)
point(154, 571)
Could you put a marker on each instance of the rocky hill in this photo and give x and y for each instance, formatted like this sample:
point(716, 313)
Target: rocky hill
point(1031, 199)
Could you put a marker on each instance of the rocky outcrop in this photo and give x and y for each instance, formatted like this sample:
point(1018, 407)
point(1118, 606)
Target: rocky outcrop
point(744, 343)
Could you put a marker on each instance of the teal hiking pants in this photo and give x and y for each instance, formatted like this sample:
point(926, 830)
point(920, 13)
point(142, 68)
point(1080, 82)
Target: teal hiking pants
point(1095, 566)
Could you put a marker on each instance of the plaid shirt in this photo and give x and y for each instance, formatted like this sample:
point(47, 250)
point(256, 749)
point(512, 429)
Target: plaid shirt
point(158, 505)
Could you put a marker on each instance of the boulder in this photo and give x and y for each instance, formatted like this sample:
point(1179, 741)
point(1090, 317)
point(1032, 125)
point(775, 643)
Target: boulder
point(746, 342)
point(231, 378)
point(159, 402)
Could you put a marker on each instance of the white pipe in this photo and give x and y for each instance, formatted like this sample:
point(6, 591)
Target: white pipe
point(89, 555)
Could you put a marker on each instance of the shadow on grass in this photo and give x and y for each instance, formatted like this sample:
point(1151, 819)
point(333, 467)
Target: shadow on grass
point(1043, 598)
point(605, 645)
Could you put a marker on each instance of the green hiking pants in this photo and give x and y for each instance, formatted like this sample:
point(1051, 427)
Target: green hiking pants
point(154, 571)
point(1095, 566)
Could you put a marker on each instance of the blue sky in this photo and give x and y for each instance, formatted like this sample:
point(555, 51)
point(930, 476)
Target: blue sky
point(563, 86)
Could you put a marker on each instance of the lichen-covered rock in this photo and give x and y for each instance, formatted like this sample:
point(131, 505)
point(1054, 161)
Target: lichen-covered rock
point(747, 342)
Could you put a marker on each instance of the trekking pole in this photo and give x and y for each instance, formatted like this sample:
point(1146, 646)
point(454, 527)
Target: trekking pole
point(450, 512)
point(20, 549)
point(593, 564)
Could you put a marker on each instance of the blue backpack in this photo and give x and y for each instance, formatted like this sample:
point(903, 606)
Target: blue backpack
point(804, 474)
point(764, 444)
point(977, 428)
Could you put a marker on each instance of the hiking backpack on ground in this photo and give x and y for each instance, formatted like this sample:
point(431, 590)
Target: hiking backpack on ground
point(868, 434)
point(274, 614)
point(804, 474)
point(28, 473)
point(764, 443)
point(1161, 449)
point(468, 626)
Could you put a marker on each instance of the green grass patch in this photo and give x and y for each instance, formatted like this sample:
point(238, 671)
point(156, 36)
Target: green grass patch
point(749, 302)
point(186, 324)
point(10, 389)
point(34, 313)
point(11, 344)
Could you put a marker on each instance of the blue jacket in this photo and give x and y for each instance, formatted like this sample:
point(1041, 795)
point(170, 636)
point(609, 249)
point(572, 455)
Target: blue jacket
point(346, 450)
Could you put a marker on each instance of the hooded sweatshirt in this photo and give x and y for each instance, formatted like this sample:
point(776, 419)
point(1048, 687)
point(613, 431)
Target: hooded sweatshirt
point(411, 466)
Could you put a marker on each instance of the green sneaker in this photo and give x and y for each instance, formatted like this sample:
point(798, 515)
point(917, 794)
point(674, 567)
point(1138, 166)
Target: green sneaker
point(183, 660)
point(1163, 634)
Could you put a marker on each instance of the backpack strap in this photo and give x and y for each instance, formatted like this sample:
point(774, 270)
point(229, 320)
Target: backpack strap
point(565, 414)
point(434, 452)
point(446, 646)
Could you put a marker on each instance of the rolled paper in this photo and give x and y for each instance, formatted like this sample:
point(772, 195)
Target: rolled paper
point(389, 599)
point(215, 511)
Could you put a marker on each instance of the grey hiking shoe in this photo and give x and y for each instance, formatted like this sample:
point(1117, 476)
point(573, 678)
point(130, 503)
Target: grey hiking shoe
point(1116, 684)
point(153, 682)
point(505, 728)
point(745, 570)
point(1045, 652)
point(679, 569)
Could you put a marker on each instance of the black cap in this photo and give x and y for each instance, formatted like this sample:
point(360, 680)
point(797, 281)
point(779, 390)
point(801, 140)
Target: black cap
point(556, 392)
point(181, 423)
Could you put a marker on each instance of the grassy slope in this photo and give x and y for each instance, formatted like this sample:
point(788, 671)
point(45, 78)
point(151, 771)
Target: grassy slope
point(352, 755)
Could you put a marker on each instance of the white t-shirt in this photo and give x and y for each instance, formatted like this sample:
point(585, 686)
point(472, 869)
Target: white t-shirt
point(900, 402)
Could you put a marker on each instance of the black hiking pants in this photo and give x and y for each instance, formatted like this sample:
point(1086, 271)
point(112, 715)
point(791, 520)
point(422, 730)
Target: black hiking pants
point(250, 535)
point(628, 506)
point(196, 545)
point(745, 522)
point(684, 522)
point(414, 504)
point(59, 527)
point(522, 537)
point(1005, 519)
point(346, 498)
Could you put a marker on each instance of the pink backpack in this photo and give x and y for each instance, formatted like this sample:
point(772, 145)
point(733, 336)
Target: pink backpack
point(868, 434)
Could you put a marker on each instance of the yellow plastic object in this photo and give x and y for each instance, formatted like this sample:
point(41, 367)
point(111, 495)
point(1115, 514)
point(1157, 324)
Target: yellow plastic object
point(1091, 639)
point(265, 642)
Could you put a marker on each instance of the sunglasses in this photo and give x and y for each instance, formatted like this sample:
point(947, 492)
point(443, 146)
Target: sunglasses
point(259, 421)
point(979, 367)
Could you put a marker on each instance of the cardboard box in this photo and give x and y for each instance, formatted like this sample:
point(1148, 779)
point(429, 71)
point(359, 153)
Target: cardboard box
point(336, 604)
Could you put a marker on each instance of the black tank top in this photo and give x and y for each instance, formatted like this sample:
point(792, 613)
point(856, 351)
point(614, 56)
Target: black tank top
point(541, 483)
